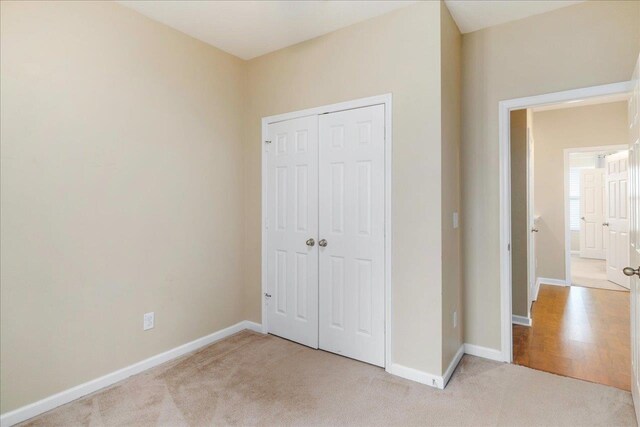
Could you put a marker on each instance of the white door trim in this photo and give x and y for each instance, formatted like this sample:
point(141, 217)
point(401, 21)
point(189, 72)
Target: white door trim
point(332, 108)
point(504, 141)
point(567, 232)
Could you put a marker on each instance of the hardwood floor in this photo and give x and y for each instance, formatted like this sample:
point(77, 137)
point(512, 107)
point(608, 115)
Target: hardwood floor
point(578, 332)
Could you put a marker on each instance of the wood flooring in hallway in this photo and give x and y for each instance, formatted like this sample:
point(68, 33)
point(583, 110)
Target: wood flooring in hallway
point(580, 333)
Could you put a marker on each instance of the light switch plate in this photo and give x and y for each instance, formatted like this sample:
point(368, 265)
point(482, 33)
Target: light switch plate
point(455, 220)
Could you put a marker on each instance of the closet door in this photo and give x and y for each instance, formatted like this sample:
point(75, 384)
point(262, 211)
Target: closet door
point(291, 230)
point(352, 233)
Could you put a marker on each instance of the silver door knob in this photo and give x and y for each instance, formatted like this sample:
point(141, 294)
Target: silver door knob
point(629, 271)
point(311, 242)
point(322, 243)
point(605, 224)
point(534, 230)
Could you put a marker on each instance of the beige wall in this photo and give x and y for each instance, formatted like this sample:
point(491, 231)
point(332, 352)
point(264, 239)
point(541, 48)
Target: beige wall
point(397, 53)
point(583, 45)
point(120, 192)
point(555, 130)
point(451, 69)
point(519, 217)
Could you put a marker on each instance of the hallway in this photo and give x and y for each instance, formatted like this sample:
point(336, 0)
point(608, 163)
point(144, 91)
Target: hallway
point(578, 332)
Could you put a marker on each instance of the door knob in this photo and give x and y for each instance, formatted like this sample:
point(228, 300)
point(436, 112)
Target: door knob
point(322, 243)
point(534, 230)
point(605, 224)
point(629, 271)
point(311, 242)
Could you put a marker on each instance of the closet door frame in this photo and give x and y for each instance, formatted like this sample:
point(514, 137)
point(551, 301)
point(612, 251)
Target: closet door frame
point(317, 111)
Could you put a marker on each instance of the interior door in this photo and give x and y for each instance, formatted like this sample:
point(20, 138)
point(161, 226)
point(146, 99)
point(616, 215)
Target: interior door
point(634, 167)
point(617, 189)
point(592, 214)
point(352, 233)
point(531, 219)
point(291, 225)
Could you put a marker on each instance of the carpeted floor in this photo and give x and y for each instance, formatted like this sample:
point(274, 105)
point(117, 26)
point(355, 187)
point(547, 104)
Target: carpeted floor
point(592, 273)
point(254, 379)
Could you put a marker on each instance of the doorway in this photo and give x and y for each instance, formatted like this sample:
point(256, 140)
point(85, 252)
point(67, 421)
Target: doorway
point(596, 216)
point(326, 215)
point(576, 331)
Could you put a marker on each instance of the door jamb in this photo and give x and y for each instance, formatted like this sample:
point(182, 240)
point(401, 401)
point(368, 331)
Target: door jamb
point(504, 141)
point(316, 111)
point(567, 232)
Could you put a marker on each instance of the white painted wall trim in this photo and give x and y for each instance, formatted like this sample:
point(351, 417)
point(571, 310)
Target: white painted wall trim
point(426, 378)
point(521, 320)
point(548, 281)
point(416, 375)
point(536, 289)
point(453, 365)
point(385, 100)
point(29, 411)
point(484, 352)
point(567, 225)
point(442, 381)
point(504, 142)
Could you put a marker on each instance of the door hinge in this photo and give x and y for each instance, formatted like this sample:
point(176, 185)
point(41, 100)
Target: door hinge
point(509, 247)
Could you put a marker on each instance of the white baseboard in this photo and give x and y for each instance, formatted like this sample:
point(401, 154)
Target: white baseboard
point(485, 352)
point(534, 293)
point(416, 375)
point(521, 320)
point(547, 281)
point(66, 396)
point(452, 366)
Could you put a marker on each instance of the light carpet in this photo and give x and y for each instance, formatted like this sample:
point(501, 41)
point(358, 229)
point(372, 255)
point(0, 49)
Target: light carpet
point(592, 273)
point(255, 379)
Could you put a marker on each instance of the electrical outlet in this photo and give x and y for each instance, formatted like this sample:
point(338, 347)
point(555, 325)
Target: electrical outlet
point(148, 321)
point(455, 319)
point(455, 220)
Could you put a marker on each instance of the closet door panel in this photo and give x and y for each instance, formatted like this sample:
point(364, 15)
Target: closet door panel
point(351, 221)
point(292, 219)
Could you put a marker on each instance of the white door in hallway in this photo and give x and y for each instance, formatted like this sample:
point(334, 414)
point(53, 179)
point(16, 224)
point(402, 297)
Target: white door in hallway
point(617, 196)
point(592, 218)
point(291, 230)
point(531, 219)
point(352, 233)
point(634, 249)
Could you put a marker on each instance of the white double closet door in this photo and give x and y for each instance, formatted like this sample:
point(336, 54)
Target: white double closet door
point(325, 232)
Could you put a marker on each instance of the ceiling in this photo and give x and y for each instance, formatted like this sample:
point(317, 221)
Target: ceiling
point(473, 15)
point(248, 29)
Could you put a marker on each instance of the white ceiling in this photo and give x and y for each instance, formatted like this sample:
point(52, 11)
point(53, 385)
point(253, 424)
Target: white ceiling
point(252, 28)
point(473, 15)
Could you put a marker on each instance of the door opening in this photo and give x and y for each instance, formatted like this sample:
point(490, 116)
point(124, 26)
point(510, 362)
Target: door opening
point(569, 219)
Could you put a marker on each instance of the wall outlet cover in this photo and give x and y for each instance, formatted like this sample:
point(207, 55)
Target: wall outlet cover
point(148, 321)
